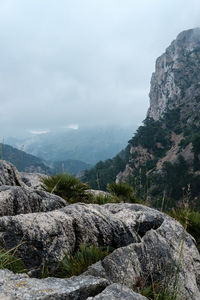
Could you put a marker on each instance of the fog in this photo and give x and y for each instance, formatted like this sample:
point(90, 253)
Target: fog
point(82, 63)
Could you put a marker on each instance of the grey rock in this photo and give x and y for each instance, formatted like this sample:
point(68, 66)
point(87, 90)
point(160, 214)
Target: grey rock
point(21, 287)
point(33, 180)
point(151, 246)
point(16, 200)
point(176, 77)
point(48, 236)
point(9, 175)
point(40, 238)
point(165, 255)
point(118, 292)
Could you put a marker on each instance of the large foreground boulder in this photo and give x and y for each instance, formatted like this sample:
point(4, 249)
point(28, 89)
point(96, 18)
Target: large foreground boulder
point(21, 287)
point(166, 256)
point(150, 246)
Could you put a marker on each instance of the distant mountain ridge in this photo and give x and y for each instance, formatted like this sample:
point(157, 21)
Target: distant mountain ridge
point(31, 164)
point(23, 161)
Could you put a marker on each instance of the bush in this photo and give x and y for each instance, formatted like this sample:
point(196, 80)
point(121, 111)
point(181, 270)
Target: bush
point(192, 218)
point(123, 191)
point(79, 262)
point(67, 187)
point(104, 199)
point(10, 262)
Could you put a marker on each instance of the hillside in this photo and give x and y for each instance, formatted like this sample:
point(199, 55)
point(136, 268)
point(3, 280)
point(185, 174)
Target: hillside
point(163, 157)
point(22, 160)
point(29, 163)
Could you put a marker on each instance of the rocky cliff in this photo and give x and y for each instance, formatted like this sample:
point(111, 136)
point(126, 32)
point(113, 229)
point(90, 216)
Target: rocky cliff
point(148, 247)
point(165, 152)
point(176, 80)
point(163, 157)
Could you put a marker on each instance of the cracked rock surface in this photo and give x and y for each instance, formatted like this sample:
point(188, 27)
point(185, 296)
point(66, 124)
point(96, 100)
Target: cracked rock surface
point(21, 287)
point(149, 246)
point(15, 200)
point(117, 292)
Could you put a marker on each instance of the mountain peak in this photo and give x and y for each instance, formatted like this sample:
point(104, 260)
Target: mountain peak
point(176, 75)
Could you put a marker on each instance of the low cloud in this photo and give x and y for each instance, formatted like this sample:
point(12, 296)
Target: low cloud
point(82, 62)
point(38, 132)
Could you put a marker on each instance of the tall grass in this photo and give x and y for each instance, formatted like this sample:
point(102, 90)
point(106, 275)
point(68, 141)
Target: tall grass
point(9, 261)
point(74, 265)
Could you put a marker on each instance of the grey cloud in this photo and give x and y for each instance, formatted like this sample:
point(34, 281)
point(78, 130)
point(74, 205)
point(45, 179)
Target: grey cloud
point(86, 62)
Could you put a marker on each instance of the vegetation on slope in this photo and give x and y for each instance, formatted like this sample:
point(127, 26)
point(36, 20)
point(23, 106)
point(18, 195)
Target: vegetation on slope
point(155, 137)
point(22, 160)
point(105, 172)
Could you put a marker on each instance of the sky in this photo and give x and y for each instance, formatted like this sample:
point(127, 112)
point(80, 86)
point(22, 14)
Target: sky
point(82, 63)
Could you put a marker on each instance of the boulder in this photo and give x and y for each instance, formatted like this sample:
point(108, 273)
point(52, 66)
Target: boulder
point(9, 175)
point(33, 180)
point(166, 256)
point(21, 287)
point(48, 236)
point(117, 292)
point(16, 200)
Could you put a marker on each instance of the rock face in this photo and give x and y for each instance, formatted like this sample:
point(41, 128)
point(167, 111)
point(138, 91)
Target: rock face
point(149, 246)
point(21, 287)
point(117, 292)
point(170, 134)
point(155, 258)
point(176, 79)
point(16, 197)
point(154, 243)
point(15, 200)
point(9, 175)
point(33, 180)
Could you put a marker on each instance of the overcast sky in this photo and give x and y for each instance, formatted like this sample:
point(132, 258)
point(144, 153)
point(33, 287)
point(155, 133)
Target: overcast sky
point(82, 62)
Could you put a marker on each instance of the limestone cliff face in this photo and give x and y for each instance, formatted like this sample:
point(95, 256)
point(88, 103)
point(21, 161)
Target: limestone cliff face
point(176, 79)
point(168, 144)
point(170, 137)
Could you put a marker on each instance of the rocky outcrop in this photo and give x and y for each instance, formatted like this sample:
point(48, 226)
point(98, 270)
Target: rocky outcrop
point(149, 245)
point(33, 180)
point(15, 200)
point(164, 255)
point(21, 287)
point(170, 134)
point(117, 292)
point(21, 193)
point(176, 78)
point(9, 175)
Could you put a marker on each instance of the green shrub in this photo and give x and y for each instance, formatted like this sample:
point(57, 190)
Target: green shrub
point(67, 187)
point(123, 191)
point(79, 262)
point(11, 262)
point(192, 218)
point(104, 199)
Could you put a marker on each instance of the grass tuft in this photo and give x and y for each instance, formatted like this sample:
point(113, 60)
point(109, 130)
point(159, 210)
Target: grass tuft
point(79, 262)
point(11, 262)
